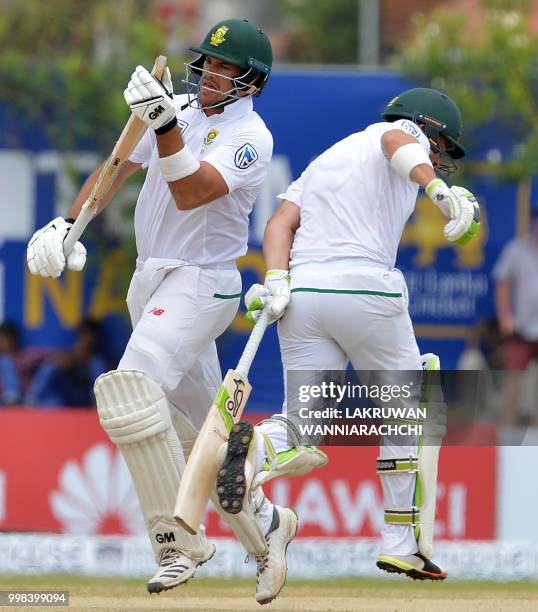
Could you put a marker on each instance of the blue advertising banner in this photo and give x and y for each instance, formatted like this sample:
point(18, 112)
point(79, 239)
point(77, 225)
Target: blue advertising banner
point(450, 288)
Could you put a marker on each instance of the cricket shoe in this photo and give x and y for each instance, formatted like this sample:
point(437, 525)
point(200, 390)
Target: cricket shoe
point(236, 471)
point(176, 568)
point(415, 566)
point(271, 567)
point(237, 474)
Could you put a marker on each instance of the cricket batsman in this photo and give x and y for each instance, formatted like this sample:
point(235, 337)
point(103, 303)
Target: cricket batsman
point(331, 247)
point(206, 155)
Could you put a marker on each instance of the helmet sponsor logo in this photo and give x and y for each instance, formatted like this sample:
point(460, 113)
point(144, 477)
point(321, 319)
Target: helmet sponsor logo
point(245, 156)
point(219, 36)
point(393, 101)
point(211, 135)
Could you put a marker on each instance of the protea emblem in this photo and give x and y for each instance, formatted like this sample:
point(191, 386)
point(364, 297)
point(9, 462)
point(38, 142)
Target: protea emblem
point(219, 36)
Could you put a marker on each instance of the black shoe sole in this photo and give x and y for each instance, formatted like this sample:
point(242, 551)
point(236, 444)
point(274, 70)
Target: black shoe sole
point(231, 476)
point(415, 574)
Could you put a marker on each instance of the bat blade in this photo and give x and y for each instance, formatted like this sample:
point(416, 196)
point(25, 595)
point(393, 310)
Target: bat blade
point(202, 467)
point(132, 133)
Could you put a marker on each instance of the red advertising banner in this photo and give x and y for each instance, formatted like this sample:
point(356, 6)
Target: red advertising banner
point(60, 473)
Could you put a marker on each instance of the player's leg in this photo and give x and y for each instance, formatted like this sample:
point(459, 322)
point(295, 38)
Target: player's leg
point(263, 529)
point(180, 317)
point(272, 447)
point(385, 342)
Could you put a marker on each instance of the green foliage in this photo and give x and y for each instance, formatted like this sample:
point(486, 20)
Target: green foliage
point(65, 64)
point(323, 31)
point(491, 72)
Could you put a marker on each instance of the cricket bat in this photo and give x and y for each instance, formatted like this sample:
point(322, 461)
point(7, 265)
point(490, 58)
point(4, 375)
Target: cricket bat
point(202, 467)
point(125, 145)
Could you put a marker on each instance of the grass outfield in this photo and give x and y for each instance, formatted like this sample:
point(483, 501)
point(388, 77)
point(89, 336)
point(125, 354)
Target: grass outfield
point(367, 595)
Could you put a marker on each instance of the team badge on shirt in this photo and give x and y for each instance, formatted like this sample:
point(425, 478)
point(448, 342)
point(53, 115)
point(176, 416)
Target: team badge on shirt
point(245, 156)
point(219, 36)
point(211, 135)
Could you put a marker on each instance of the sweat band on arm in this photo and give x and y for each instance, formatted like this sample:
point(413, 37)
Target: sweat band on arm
point(179, 165)
point(407, 157)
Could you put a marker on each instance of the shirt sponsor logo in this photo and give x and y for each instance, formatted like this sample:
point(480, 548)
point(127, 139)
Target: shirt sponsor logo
point(245, 156)
point(211, 135)
point(157, 311)
point(411, 128)
point(182, 125)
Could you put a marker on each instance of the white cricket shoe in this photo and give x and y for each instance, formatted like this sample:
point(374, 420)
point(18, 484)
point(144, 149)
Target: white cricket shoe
point(237, 477)
point(176, 568)
point(272, 569)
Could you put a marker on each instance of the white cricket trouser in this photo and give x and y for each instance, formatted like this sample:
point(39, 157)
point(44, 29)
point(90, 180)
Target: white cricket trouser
point(354, 311)
point(177, 312)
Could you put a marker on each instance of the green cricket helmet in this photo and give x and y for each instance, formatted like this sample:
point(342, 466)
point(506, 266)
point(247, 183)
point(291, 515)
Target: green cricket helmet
point(240, 43)
point(434, 110)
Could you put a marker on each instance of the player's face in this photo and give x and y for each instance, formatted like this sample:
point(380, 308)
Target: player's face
point(216, 80)
point(436, 157)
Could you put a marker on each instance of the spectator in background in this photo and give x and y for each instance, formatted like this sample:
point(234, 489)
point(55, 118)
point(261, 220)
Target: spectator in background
point(17, 366)
point(9, 377)
point(66, 378)
point(516, 300)
point(484, 348)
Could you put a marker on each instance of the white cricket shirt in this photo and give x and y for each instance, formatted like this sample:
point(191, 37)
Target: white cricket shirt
point(353, 204)
point(239, 145)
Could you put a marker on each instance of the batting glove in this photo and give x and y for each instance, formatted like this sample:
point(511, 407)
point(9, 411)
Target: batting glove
point(464, 228)
point(460, 206)
point(441, 195)
point(275, 293)
point(152, 100)
point(45, 253)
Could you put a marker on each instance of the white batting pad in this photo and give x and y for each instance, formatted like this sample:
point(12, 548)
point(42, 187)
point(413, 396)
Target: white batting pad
point(133, 410)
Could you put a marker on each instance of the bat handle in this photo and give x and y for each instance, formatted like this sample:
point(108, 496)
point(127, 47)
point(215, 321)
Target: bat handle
point(85, 215)
point(253, 343)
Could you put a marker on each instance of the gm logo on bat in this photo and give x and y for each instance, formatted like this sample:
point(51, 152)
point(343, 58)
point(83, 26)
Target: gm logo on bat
point(156, 112)
point(233, 403)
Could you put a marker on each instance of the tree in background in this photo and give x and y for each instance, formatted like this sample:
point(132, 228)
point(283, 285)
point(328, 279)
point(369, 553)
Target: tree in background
point(490, 69)
point(323, 31)
point(66, 63)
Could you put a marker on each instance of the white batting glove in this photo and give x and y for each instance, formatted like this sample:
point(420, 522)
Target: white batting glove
point(460, 206)
point(150, 99)
point(274, 293)
point(464, 228)
point(441, 195)
point(45, 252)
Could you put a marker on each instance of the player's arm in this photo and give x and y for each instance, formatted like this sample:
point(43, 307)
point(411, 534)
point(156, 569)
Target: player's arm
point(204, 185)
point(279, 235)
point(416, 161)
point(277, 243)
point(503, 303)
point(408, 155)
point(191, 183)
point(45, 253)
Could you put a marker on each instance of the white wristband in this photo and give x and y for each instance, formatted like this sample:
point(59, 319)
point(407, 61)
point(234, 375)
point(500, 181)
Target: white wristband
point(179, 165)
point(407, 157)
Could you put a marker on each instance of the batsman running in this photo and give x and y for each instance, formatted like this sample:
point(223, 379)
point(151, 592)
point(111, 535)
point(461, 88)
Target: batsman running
point(332, 247)
point(206, 154)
